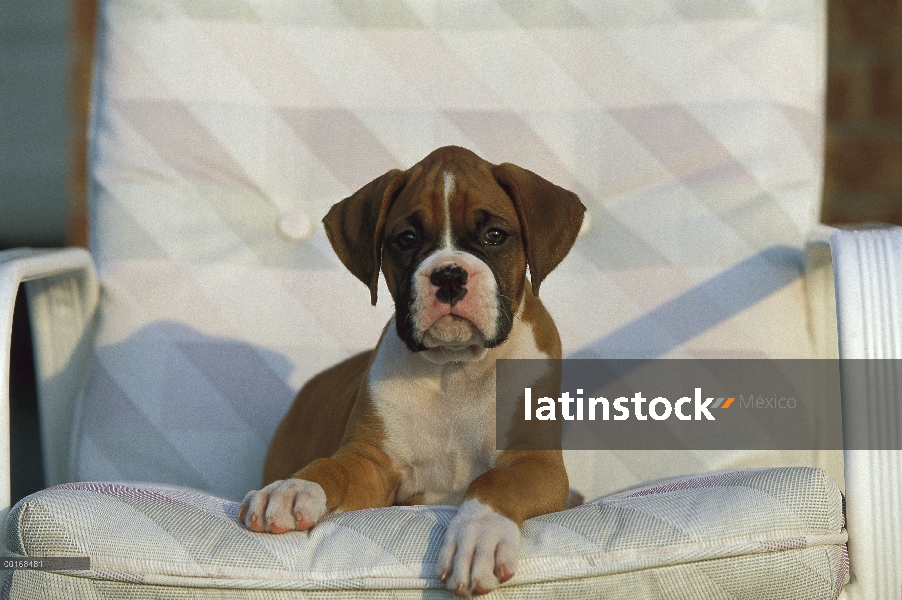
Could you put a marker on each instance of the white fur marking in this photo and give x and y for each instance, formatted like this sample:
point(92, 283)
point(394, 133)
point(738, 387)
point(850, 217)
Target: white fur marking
point(446, 229)
point(478, 544)
point(451, 406)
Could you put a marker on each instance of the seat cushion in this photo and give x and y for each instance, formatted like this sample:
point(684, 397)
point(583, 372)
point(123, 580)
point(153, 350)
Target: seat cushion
point(763, 533)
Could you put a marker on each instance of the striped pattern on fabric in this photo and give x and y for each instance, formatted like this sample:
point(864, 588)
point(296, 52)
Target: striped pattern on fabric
point(769, 533)
point(691, 130)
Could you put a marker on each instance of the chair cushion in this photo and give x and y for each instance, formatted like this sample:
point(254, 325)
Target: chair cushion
point(691, 131)
point(765, 533)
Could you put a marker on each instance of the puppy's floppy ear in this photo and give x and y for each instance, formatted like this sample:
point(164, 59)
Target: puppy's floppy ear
point(355, 227)
point(550, 218)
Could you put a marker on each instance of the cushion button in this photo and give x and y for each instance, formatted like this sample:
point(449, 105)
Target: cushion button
point(296, 225)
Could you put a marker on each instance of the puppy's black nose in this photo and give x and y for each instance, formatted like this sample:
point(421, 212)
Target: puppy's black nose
point(450, 281)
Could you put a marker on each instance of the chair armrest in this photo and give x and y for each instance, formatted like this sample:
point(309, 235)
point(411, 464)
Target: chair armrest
point(820, 293)
point(63, 292)
point(867, 267)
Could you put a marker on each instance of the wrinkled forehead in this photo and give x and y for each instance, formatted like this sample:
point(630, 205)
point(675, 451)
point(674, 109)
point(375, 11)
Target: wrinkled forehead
point(441, 192)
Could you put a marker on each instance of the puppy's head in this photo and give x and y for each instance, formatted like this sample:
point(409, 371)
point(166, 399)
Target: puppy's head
point(453, 236)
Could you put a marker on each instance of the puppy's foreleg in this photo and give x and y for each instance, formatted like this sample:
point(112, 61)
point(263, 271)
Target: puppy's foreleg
point(357, 476)
point(482, 543)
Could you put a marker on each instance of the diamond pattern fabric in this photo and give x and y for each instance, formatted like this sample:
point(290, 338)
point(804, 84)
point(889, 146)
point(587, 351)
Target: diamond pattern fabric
point(691, 130)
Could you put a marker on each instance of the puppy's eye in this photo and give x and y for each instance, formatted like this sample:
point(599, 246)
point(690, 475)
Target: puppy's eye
point(494, 236)
point(406, 240)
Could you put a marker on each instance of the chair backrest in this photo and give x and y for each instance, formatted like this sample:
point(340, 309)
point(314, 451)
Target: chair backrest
point(223, 131)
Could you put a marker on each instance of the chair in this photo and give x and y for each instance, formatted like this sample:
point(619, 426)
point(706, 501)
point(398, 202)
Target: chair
point(220, 135)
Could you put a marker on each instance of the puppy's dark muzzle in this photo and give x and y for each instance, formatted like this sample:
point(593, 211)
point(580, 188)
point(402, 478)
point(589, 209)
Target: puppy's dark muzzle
point(450, 281)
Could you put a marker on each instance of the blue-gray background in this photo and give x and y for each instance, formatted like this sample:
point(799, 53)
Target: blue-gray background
point(34, 149)
point(34, 167)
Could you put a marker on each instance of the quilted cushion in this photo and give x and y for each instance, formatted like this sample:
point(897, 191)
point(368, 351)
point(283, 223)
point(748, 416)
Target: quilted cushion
point(768, 533)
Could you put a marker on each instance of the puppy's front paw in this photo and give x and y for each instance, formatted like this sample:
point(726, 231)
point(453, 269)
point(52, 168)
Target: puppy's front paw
point(283, 506)
point(480, 550)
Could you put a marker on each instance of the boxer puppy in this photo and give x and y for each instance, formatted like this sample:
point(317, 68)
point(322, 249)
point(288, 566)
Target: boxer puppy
point(413, 421)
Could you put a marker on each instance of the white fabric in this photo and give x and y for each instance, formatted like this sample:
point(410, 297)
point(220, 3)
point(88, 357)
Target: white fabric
point(691, 131)
point(726, 535)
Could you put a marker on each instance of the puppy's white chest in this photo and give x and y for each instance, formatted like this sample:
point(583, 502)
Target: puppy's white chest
point(439, 452)
point(439, 430)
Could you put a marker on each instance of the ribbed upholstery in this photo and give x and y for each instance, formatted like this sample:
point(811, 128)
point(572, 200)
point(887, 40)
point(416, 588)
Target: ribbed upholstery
point(868, 298)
